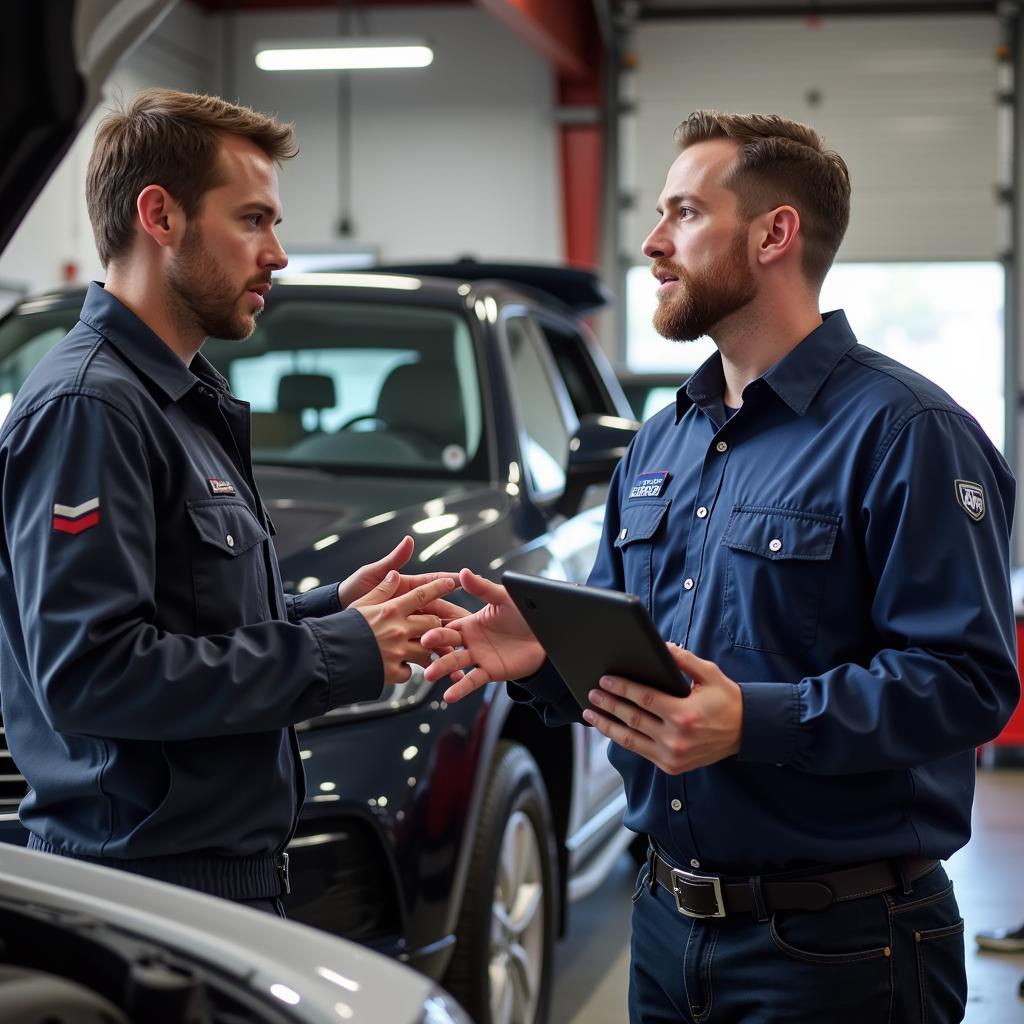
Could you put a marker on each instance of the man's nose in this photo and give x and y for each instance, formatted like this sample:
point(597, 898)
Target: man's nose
point(657, 246)
point(276, 258)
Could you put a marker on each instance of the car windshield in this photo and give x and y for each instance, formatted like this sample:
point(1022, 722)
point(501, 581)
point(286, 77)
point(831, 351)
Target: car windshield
point(380, 389)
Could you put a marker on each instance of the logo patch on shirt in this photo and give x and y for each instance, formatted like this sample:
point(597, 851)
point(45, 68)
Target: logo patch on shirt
point(649, 484)
point(76, 518)
point(971, 498)
point(220, 486)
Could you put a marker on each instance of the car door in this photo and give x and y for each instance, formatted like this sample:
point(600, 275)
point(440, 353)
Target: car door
point(554, 385)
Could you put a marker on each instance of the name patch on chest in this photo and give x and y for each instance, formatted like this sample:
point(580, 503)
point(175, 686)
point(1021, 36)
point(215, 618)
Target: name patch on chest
point(650, 484)
point(220, 486)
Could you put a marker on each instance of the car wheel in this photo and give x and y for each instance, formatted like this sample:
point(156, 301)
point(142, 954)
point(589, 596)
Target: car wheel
point(501, 966)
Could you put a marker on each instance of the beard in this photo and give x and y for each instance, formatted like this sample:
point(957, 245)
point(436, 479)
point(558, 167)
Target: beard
point(200, 293)
point(700, 300)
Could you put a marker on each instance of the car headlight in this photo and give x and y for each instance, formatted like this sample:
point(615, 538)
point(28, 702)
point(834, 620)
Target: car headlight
point(394, 698)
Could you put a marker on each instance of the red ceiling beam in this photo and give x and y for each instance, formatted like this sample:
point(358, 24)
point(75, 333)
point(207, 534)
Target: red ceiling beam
point(564, 32)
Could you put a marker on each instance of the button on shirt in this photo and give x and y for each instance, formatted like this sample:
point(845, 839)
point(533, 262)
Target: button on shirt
point(840, 548)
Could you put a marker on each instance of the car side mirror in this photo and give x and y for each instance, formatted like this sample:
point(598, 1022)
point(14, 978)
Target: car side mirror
point(594, 452)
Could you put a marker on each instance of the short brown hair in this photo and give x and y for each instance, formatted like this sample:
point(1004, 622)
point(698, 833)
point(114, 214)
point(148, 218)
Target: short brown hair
point(171, 139)
point(782, 162)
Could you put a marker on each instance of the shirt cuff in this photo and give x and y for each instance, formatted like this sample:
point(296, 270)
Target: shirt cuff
point(314, 604)
point(355, 669)
point(547, 694)
point(771, 720)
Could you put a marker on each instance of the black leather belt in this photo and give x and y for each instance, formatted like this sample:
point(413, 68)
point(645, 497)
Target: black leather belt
point(700, 895)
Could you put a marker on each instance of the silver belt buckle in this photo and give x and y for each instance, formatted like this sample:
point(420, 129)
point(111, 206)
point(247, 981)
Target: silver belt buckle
point(678, 875)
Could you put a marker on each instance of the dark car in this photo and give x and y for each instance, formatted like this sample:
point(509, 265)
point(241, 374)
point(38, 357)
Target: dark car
point(474, 412)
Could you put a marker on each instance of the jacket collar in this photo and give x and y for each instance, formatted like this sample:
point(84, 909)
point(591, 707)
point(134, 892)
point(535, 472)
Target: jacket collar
point(796, 378)
point(142, 348)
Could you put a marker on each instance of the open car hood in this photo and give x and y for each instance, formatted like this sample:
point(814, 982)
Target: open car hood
point(54, 59)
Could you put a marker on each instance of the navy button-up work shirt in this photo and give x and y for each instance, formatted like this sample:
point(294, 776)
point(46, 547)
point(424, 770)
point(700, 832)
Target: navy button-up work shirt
point(840, 548)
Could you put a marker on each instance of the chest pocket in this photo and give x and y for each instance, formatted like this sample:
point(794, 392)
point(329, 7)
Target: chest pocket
point(776, 565)
point(638, 526)
point(228, 572)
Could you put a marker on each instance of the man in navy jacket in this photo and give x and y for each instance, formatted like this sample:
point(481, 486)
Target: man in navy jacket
point(151, 666)
point(822, 535)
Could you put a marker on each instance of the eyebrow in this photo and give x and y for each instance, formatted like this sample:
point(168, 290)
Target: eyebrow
point(679, 200)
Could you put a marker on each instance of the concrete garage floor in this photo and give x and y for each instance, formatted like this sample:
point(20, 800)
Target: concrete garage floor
point(592, 962)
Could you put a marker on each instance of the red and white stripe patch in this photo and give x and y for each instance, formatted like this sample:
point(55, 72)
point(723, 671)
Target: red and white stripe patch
point(76, 518)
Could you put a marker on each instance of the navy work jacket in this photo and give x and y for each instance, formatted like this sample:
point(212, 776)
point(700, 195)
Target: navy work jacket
point(150, 664)
point(840, 548)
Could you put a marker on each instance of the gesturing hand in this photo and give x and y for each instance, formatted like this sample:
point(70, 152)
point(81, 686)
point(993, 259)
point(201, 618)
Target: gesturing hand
point(399, 622)
point(675, 733)
point(371, 575)
point(495, 642)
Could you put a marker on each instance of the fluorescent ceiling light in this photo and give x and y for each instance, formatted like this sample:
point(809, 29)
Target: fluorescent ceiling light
point(342, 54)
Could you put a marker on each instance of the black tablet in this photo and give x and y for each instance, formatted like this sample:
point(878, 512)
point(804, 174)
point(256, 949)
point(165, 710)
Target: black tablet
point(589, 632)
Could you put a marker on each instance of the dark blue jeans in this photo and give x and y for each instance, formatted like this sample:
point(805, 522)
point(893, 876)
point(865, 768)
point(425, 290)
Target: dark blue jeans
point(886, 959)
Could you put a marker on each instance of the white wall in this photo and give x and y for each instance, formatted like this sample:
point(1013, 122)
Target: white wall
point(456, 158)
point(180, 55)
point(908, 101)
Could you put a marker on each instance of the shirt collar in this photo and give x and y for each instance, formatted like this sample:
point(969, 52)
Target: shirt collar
point(143, 348)
point(796, 378)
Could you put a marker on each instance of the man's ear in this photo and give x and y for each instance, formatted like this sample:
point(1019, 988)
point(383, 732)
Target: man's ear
point(781, 229)
point(160, 215)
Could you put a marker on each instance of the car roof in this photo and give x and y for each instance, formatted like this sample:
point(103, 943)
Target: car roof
point(407, 288)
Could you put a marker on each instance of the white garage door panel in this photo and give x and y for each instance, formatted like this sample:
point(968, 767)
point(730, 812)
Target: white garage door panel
point(908, 101)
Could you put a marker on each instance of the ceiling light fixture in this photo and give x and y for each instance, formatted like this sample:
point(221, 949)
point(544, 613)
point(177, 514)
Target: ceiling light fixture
point(343, 54)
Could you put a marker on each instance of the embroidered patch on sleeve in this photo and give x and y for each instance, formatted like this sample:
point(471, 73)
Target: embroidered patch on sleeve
point(649, 484)
point(76, 518)
point(971, 498)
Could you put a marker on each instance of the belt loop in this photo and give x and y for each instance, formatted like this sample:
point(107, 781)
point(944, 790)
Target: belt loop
point(760, 909)
point(652, 856)
point(900, 864)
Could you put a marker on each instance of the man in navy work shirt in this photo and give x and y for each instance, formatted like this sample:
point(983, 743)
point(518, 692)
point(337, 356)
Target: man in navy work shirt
point(150, 664)
point(822, 536)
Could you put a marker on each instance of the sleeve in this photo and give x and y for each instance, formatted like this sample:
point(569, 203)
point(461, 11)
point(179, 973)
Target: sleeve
point(314, 604)
point(545, 691)
point(936, 521)
point(83, 604)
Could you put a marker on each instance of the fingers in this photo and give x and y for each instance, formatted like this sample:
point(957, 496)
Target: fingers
point(447, 664)
point(445, 636)
point(421, 596)
point(648, 698)
point(384, 591)
point(492, 593)
point(466, 685)
point(629, 702)
point(446, 610)
point(620, 734)
point(398, 557)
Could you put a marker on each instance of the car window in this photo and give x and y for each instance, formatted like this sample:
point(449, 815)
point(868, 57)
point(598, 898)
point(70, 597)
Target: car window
point(24, 340)
point(544, 433)
point(390, 389)
point(570, 355)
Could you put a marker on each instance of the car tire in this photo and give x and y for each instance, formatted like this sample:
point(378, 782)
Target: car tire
point(502, 963)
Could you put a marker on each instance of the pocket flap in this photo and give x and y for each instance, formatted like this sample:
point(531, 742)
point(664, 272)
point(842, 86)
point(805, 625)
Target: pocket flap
point(779, 533)
point(639, 521)
point(227, 525)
